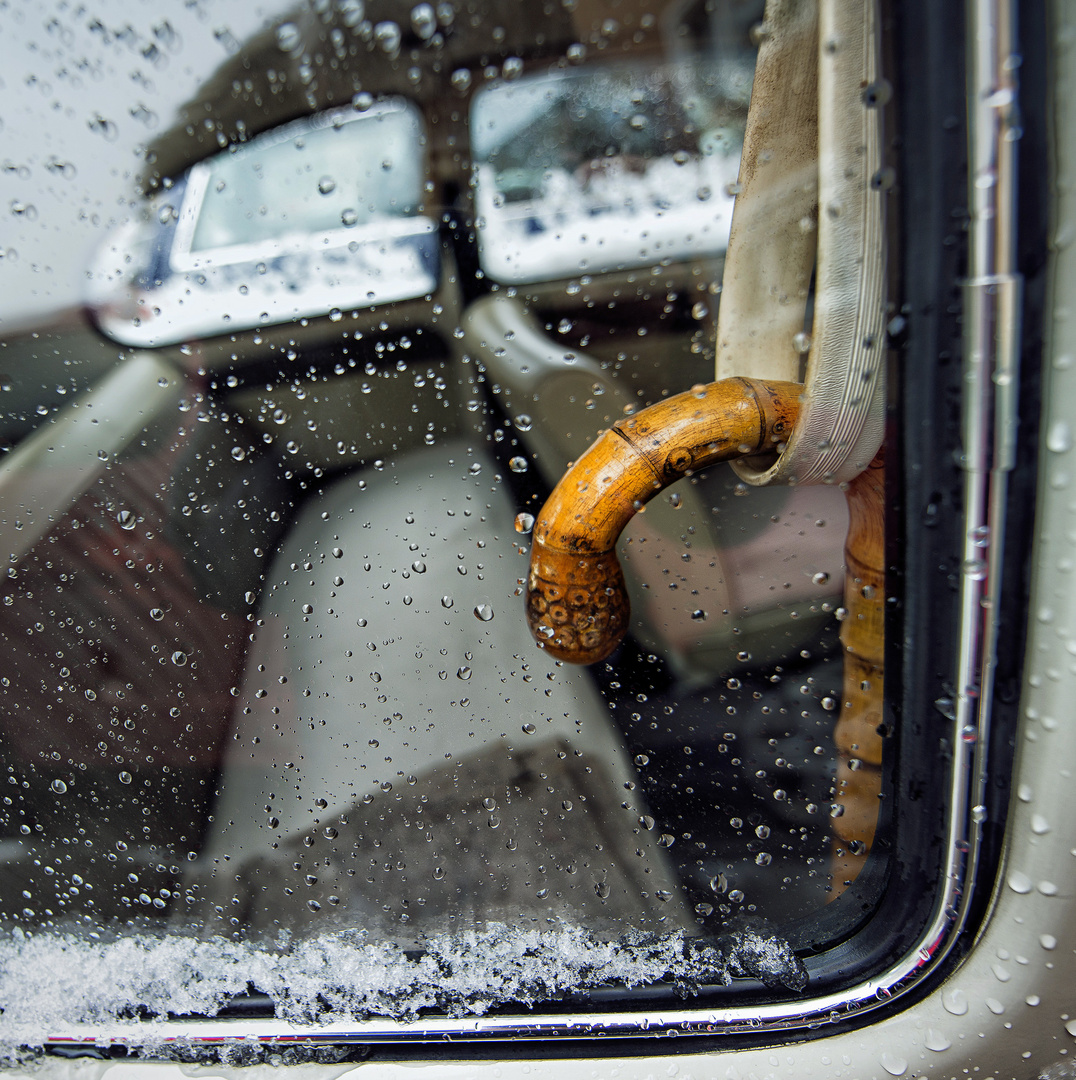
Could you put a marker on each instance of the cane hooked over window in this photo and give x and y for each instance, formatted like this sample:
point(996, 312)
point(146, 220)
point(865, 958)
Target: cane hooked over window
point(794, 402)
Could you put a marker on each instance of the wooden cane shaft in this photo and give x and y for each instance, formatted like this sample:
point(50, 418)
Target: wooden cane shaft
point(857, 734)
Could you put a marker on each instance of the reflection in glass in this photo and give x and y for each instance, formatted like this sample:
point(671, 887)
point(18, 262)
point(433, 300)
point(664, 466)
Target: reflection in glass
point(319, 179)
point(606, 168)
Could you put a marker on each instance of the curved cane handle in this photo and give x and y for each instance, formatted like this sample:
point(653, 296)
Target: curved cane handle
point(577, 602)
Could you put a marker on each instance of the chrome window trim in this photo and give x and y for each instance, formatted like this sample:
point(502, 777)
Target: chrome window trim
point(992, 298)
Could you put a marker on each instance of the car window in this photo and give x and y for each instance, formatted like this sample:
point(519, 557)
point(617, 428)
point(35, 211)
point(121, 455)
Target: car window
point(290, 723)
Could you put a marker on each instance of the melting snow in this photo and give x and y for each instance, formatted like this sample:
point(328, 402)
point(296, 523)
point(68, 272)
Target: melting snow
point(51, 983)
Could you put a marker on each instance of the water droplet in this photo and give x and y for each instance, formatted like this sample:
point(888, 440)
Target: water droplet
point(126, 519)
point(125, 777)
point(894, 1063)
point(955, 1002)
point(179, 658)
point(975, 569)
point(821, 578)
point(326, 185)
point(423, 21)
point(524, 522)
point(946, 707)
point(447, 601)
point(288, 37)
point(641, 760)
point(518, 464)
point(388, 36)
point(1059, 437)
point(464, 673)
point(936, 1041)
point(980, 536)
point(156, 614)
point(1019, 882)
point(338, 553)
point(58, 786)
point(418, 566)
point(801, 342)
point(529, 729)
point(698, 615)
point(483, 612)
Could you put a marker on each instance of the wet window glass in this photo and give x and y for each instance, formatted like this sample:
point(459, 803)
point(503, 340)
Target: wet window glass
point(605, 167)
point(303, 221)
point(269, 191)
point(287, 671)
